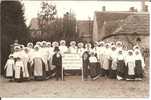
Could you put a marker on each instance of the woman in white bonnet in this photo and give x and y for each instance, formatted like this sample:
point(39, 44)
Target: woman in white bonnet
point(130, 64)
point(96, 48)
point(113, 70)
point(88, 47)
point(121, 65)
point(19, 66)
point(39, 71)
point(105, 60)
point(63, 48)
point(45, 56)
point(119, 45)
point(80, 48)
point(73, 47)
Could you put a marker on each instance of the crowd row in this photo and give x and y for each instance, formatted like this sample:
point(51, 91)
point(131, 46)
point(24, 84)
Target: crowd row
point(44, 60)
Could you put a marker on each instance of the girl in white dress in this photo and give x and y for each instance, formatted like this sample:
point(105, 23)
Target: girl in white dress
point(9, 67)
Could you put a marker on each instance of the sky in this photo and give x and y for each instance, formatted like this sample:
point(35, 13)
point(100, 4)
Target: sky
point(82, 9)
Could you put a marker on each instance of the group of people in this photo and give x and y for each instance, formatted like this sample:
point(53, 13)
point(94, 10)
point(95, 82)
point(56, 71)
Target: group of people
point(44, 60)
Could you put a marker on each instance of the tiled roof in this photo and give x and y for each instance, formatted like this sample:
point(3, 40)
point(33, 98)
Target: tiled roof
point(135, 23)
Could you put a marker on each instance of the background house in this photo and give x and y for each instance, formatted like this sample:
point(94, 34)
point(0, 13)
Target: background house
point(85, 29)
point(130, 27)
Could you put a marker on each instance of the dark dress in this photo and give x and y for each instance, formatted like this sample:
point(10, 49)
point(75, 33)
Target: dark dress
point(85, 58)
point(121, 69)
point(138, 69)
point(57, 61)
point(93, 72)
point(112, 73)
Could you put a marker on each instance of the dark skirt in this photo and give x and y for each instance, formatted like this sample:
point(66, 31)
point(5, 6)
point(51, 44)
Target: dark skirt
point(130, 77)
point(104, 72)
point(138, 69)
point(21, 76)
point(112, 74)
point(85, 70)
point(121, 69)
point(93, 72)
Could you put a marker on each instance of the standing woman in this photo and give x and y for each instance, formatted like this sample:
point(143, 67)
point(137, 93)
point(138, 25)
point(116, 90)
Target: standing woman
point(93, 66)
point(120, 65)
point(139, 65)
point(105, 60)
point(57, 61)
point(101, 55)
point(38, 65)
point(130, 65)
point(85, 58)
point(113, 70)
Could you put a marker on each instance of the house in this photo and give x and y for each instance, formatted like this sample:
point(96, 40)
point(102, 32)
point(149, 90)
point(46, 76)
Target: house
point(130, 27)
point(85, 29)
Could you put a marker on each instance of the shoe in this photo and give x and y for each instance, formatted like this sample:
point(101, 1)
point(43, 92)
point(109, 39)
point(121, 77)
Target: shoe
point(119, 78)
point(138, 79)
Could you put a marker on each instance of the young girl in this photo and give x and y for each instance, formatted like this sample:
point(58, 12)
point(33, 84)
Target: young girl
point(19, 70)
point(130, 64)
point(85, 58)
point(113, 70)
point(9, 67)
point(93, 66)
point(120, 65)
point(139, 65)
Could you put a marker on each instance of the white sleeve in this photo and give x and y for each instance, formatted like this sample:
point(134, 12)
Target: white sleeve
point(143, 63)
point(6, 65)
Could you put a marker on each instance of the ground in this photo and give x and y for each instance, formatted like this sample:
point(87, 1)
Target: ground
point(74, 87)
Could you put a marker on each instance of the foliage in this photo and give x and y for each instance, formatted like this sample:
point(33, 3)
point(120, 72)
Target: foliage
point(13, 27)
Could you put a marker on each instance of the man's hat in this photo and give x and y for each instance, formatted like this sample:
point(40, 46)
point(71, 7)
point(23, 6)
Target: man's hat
point(56, 49)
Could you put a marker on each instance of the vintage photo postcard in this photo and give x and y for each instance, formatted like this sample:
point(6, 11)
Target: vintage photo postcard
point(74, 49)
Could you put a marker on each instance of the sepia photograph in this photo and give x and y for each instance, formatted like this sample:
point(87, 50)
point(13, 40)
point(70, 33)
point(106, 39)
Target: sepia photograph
point(74, 48)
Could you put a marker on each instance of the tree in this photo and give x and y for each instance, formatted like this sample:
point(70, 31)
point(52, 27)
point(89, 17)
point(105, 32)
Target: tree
point(69, 26)
point(13, 27)
point(45, 17)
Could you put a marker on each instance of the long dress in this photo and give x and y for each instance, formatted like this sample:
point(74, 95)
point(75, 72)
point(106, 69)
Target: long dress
point(93, 66)
point(139, 66)
point(121, 69)
point(9, 67)
point(85, 58)
point(113, 70)
point(105, 62)
point(57, 61)
point(25, 59)
point(138, 69)
point(130, 68)
point(39, 68)
point(19, 70)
